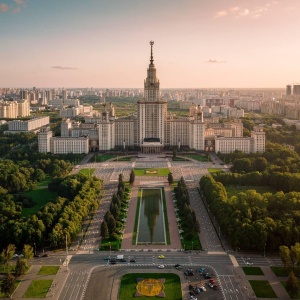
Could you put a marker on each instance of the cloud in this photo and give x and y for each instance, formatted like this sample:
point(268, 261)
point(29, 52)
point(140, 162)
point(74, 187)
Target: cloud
point(3, 7)
point(240, 12)
point(16, 10)
point(216, 61)
point(64, 68)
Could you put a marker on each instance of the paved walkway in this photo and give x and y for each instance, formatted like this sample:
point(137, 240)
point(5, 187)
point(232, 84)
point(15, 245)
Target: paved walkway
point(57, 285)
point(273, 280)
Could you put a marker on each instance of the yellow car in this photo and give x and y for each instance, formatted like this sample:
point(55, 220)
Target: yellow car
point(161, 256)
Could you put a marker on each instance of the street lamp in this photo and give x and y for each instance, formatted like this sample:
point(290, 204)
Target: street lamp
point(265, 249)
point(236, 249)
point(109, 249)
point(34, 249)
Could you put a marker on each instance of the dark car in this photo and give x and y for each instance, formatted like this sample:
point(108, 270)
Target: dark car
point(177, 266)
point(113, 262)
point(45, 255)
point(207, 276)
point(123, 260)
point(215, 287)
point(132, 260)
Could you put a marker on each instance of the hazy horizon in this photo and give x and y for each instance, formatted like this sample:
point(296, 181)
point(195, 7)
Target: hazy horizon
point(217, 44)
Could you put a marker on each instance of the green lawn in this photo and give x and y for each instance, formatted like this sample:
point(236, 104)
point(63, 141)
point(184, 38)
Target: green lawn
point(198, 157)
point(45, 182)
point(152, 172)
point(253, 271)
point(262, 289)
point(41, 197)
point(295, 297)
point(234, 190)
point(87, 172)
point(104, 157)
point(215, 170)
point(48, 270)
point(172, 286)
point(126, 158)
point(38, 289)
point(166, 218)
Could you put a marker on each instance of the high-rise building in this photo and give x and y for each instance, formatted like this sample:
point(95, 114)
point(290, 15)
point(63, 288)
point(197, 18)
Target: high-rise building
point(288, 90)
point(296, 89)
point(152, 129)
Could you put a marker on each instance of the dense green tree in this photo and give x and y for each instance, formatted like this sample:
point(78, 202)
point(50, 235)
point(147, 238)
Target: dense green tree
point(104, 230)
point(285, 255)
point(28, 252)
point(292, 286)
point(111, 224)
point(132, 177)
point(7, 285)
point(170, 178)
point(21, 266)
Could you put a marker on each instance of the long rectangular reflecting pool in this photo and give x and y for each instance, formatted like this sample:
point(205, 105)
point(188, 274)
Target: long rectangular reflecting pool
point(151, 224)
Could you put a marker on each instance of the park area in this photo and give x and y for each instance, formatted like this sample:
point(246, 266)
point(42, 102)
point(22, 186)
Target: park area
point(234, 190)
point(40, 196)
point(171, 286)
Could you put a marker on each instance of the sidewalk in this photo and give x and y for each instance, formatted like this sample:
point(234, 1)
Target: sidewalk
point(57, 285)
point(273, 280)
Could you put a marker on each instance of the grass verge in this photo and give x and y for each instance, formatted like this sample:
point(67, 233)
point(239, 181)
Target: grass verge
point(87, 172)
point(166, 218)
point(38, 289)
point(152, 172)
point(104, 157)
point(172, 286)
point(136, 221)
point(262, 289)
point(198, 157)
point(48, 270)
point(253, 271)
point(215, 170)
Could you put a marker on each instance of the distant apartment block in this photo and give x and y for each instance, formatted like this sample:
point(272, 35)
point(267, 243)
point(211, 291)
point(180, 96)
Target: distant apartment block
point(14, 109)
point(32, 125)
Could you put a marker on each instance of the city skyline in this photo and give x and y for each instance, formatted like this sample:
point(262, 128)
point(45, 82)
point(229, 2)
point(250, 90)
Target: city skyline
point(100, 44)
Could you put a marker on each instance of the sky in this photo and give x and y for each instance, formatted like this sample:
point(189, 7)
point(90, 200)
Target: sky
point(105, 43)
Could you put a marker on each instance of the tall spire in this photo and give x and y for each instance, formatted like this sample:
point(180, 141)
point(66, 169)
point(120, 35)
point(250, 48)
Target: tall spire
point(151, 57)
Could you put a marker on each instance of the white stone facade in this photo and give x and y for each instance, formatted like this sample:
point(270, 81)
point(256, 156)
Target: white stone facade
point(152, 128)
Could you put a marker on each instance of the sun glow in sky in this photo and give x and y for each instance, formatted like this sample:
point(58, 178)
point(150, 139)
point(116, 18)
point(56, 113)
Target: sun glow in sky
point(105, 43)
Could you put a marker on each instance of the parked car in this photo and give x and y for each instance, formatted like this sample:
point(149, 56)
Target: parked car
point(161, 266)
point(210, 285)
point(202, 288)
point(215, 287)
point(178, 267)
point(123, 260)
point(132, 260)
point(189, 272)
point(212, 280)
point(201, 270)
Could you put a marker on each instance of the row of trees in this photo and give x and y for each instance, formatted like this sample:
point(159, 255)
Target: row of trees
point(187, 214)
point(253, 221)
point(77, 196)
point(285, 182)
point(112, 222)
point(8, 283)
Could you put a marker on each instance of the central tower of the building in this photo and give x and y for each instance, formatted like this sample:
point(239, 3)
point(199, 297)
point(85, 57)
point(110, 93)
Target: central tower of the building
point(152, 113)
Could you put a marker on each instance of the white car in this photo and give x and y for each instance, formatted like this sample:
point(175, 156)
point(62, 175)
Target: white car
point(249, 263)
point(202, 288)
point(161, 266)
